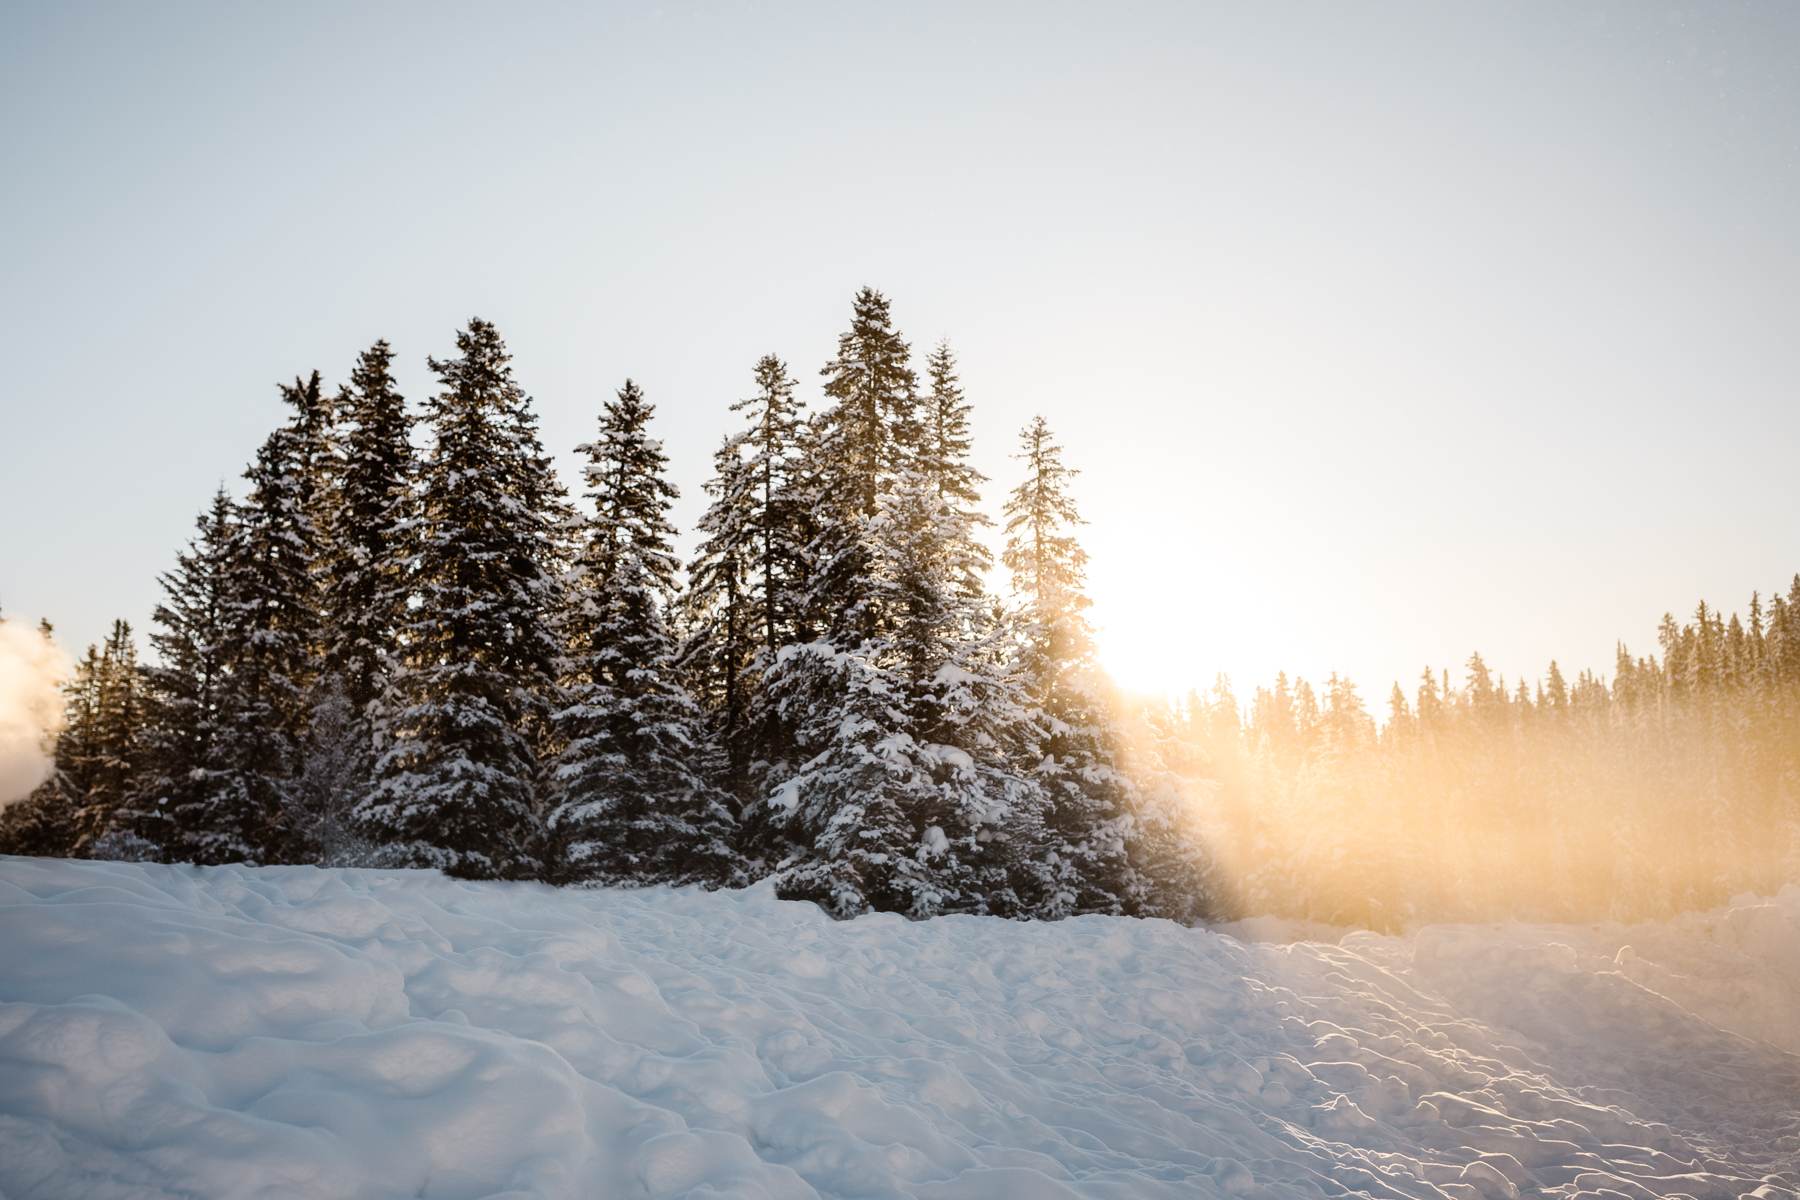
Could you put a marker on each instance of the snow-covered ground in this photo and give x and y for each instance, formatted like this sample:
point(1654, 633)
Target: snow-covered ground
point(295, 1032)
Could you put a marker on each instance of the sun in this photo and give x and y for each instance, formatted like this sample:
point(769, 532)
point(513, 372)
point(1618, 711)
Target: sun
point(1140, 655)
point(1147, 625)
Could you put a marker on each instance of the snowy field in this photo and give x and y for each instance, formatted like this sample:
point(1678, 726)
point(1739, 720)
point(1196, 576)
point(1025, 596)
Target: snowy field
point(296, 1033)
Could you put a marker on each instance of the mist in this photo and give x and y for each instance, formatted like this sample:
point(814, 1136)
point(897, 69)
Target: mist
point(32, 669)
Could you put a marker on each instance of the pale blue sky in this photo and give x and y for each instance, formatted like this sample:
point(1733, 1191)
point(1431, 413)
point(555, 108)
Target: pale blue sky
point(1381, 332)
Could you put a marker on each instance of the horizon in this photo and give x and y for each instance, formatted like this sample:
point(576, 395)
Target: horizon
point(1302, 312)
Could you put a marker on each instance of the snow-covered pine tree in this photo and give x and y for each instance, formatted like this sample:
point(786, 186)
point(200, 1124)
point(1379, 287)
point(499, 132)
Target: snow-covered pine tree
point(980, 704)
point(466, 710)
point(39, 824)
point(944, 447)
point(841, 822)
point(747, 583)
point(111, 745)
point(77, 751)
point(169, 806)
point(631, 804)
point(778, 459)
point(367, 535)
point(1087, 866)
point(94, 757)
point(365, 503)
point(778, 515)
point(271, 640)
point(964, 714)
point(721, 623)
point(861, 442)
point(902, 796)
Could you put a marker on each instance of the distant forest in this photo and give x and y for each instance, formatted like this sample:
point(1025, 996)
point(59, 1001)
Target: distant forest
point(408, 646)
point(1675, 786)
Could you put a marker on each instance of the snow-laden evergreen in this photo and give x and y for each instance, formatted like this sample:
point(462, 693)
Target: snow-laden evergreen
point(857, 445)
point(909, 729)
point(368, 532)
point(270, 643)
point(945, 443)
point(1087, 868)
point(468, 708)
point(630, 802)
point(747, 584)
point(182, 741)
point(719, 618)
point(95, 758)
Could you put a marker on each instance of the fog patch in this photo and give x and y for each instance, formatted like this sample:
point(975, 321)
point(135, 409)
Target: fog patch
point(32, 670)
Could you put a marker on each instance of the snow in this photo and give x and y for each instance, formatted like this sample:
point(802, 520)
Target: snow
point(293, 1032)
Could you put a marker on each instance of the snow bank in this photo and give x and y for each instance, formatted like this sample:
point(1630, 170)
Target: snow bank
point(295, 1032)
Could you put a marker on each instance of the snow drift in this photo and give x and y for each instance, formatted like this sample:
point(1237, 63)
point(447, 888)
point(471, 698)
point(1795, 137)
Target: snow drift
point(298, 1032)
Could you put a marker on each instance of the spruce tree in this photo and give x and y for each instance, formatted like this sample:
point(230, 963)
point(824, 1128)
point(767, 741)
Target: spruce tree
point(906, 722)
point(764, 517)
point(467, 708)
point(944, 444)
point(172, 805)
point(78, 751)
point(112, 743)
point(271, 644)
point(846, 823)
point(365, 503)
point(722, 623)
point(965, 712)
point(1085, 868)
point(776, 513)
point(863, 440)
point(630, 802)
point(367, 539)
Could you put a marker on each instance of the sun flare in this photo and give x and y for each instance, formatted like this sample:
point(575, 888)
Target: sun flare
point(1147, 629)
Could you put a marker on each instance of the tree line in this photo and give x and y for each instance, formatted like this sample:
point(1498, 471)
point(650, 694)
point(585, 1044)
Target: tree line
point(407, 645)
point(1674, 786)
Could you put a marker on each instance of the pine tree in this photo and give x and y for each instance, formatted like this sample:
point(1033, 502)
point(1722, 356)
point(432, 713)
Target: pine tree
point(964, 713)
point(172, 804)
point(78, 746)
point(367, 539)
point(723, 624)
point(747, 597)
point(944, 461)
point(631, 805)
point(1086, 865)
point(776, 516)
point(1556, 691)
point(863, 440)
point(271, 644)
point(905, 722)
point(112, 743)
point(363, 500)
point(466, 711)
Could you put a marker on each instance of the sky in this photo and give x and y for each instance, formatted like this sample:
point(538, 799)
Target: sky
point(1380, 333)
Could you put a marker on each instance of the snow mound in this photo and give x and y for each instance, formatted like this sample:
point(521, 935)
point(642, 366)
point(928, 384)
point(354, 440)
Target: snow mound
point(295, 1032)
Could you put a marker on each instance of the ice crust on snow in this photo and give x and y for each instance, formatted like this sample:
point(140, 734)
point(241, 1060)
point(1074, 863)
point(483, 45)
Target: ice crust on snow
point(289, 1032)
